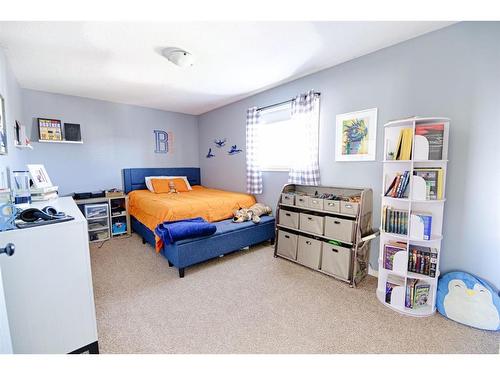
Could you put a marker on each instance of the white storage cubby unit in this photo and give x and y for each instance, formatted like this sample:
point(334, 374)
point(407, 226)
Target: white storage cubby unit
point(416, 200)
point(327, 229)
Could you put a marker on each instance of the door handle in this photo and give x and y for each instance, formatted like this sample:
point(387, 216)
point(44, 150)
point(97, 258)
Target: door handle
point(9, 249)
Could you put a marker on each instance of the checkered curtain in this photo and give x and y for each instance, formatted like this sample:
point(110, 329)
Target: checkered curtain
point(305, 112)
point(254, 174)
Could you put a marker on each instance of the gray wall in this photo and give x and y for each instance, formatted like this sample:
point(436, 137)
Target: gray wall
point(115, 136)
point(11, 92)
point(453, 72)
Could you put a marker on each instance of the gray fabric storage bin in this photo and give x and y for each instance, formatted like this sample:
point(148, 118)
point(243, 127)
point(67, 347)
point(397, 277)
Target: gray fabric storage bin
point(289, 218)
point(288, 198)
point(316, 203)
point(336, 260)
point(302, 201)
point(287, 244)
point(331, 205)
point(309, 252)
point(311, 223)
point(349, 208)
point(339, 229)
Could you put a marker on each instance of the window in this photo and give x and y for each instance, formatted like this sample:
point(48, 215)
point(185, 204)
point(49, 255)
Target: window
point(278, 139)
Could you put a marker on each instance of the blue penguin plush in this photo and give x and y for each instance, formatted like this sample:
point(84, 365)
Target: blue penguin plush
point(469, 300)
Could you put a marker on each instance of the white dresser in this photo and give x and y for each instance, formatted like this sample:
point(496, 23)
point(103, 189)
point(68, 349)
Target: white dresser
point(47, 285)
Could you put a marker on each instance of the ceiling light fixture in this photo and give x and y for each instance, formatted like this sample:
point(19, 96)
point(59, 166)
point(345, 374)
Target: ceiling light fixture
point(178, 57)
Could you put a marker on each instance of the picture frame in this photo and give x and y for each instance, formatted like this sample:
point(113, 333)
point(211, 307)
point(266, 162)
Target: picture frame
point(72, 132)
point(39, 176)
point(49, 129)
point(3, 128)
point(356, 136)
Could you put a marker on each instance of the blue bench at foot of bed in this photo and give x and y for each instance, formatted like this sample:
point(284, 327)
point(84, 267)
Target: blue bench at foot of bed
point(229, 237)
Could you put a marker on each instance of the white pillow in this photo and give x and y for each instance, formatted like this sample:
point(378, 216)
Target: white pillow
point(149, 184)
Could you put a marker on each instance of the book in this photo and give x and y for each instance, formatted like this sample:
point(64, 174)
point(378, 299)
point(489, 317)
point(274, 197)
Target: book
point(405, 141)
point(392, 282)
point(426, 219)
point(390, 250)
point(44, 190)
point(420, 294)
point(433, 178)
point(422, 260)
point(410, 287)
point(44, 197)
point(435, 135)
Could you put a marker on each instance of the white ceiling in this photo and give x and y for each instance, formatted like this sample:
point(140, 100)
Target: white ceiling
point(121, 61)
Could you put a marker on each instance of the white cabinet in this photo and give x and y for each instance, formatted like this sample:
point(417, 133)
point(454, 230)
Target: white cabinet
point(47, 285)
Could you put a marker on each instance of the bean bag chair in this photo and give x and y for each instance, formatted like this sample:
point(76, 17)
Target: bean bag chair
point(469, 300)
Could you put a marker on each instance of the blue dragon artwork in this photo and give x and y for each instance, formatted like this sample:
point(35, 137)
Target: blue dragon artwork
point(210, 154)
point(234, 150)
point(220, 142)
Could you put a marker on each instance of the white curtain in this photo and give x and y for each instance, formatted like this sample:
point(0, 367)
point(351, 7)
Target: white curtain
point(254, 173)
point(305, 114)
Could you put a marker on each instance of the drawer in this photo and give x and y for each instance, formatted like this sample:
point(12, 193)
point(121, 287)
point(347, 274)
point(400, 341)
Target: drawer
point(311, 223)
point(331, 205)
point(288, 198)
point(99, 235)
point(287, 244)
point(289, 218)
point(336, 260)
point(96, 224)
point(349, 208)
point(309, 252)
point(316, 203)
point(339, 229)
point(302, 200)
point(96, 211)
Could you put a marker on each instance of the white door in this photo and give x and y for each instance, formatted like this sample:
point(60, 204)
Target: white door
point(5, 340)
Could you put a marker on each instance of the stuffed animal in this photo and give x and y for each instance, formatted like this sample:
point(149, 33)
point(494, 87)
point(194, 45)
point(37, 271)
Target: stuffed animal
point(172, 189)
point(253, 213)
point(469, 300)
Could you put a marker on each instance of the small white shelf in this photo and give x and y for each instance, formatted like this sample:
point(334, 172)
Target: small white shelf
point(408, 122)
point(54, 141)
point(404, 237)
point(26, 147)
point(431, 201)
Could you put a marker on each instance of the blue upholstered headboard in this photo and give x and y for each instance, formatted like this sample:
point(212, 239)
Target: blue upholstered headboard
point(133, 178)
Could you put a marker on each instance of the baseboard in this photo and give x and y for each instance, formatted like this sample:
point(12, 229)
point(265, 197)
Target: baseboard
point(372, 272)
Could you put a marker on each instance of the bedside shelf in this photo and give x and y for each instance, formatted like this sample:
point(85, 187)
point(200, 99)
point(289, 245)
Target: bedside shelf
point(63, 141)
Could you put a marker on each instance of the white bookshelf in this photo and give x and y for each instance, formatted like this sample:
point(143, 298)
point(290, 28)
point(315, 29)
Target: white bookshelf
point(412, 203)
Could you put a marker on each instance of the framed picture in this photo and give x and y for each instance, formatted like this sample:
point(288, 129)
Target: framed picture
point(49, 130)
point(3, 128)
point(72, 132)
point(39, 176)
point(356, 136)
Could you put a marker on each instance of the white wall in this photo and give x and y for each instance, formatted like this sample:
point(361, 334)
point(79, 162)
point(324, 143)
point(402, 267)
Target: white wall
point(453, 72)
point(115, 136)
point(11, 92)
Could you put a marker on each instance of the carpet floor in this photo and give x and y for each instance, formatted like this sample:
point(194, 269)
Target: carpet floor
point(251, 302)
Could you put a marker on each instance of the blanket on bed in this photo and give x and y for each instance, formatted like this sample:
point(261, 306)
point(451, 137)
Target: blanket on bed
point(172, 231)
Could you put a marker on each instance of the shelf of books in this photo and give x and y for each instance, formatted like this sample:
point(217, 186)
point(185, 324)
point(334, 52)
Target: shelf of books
point(413, 197)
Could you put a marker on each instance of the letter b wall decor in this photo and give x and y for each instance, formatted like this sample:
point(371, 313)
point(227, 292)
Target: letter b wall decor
point(161, 141)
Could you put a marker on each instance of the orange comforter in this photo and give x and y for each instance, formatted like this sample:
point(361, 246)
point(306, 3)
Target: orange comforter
point(213, 205)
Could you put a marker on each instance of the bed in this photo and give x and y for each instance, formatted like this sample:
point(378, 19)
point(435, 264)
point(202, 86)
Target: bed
point(148, 209)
